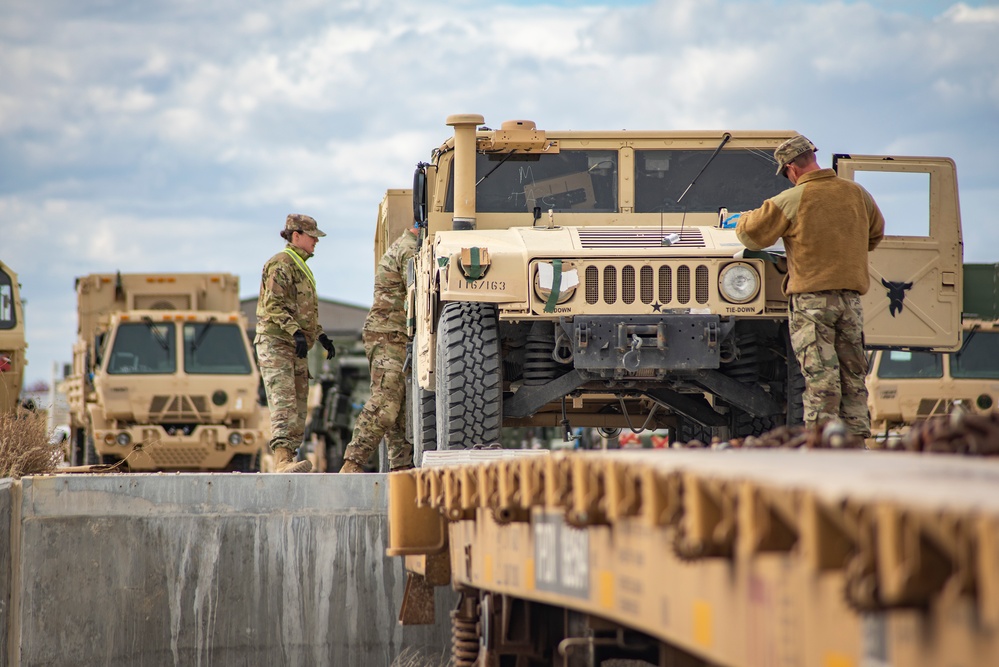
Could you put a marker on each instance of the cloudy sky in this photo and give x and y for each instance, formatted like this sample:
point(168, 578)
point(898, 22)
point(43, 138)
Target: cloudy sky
point(175, 135)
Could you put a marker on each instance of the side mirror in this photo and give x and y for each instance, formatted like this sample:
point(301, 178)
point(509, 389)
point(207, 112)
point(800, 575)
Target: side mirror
point(420, 194)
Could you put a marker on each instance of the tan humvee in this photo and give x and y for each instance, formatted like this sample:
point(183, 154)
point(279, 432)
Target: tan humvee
point(163, 374)
point(12, 342)
point(594, 279)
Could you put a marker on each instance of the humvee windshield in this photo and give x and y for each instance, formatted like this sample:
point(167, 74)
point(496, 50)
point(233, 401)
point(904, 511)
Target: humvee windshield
point(736, 179)
point(143, 348)
point(586, 181)
point(577, 181)
point(900, 365)
point(978, 359)
point(217, 349)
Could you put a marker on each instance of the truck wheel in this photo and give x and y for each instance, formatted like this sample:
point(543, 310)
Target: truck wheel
point(334, 451)
point(244, 463)
point(469, 377)
point(423, 415)
point(795, 384)
point(90, 456)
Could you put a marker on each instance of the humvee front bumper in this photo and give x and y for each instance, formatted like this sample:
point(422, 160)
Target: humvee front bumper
point(668, 342)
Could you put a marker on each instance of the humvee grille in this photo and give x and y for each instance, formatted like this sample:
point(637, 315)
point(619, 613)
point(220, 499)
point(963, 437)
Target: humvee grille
point(603, 284)
point(690, 237)
point(166, 409)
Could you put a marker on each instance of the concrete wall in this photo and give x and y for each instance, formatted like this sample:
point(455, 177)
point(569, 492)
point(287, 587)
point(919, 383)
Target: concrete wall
point(206, 569)
point(6, 494)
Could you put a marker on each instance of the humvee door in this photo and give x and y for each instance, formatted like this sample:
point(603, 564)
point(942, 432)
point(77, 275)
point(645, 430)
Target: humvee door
point(915, 295)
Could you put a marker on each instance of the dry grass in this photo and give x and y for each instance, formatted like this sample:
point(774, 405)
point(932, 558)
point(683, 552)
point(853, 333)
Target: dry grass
point(24, 445)
point(423, 657)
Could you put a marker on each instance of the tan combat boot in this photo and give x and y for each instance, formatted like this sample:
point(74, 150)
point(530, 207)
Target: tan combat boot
point(284, 461)
point(351, 466)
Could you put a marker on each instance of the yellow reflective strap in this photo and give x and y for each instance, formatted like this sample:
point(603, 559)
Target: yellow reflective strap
point(302, 265)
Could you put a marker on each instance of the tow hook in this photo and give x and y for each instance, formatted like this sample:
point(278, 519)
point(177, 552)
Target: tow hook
point(633, 359)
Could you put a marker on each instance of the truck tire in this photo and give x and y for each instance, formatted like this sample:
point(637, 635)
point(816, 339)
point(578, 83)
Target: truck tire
point(244, 463)
point(423, 416)
point(469, 377)
point(334, 448)
point(90, 456)
point(795, 387)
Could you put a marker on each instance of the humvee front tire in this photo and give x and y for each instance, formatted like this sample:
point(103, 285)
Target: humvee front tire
point(469, 379)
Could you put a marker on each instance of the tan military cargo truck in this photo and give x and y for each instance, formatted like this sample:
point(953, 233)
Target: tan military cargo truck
point(12, 341)
point(593, 278)
point(163, 374)
point(906, 386)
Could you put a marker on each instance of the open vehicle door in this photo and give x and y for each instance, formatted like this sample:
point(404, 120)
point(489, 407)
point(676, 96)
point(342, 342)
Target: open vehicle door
point(916, 284)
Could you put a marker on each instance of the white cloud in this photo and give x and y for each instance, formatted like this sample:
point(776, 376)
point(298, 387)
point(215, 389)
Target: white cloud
point(962, 13)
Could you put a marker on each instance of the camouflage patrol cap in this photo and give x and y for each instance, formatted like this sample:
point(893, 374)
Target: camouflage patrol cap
point(791, 149)
point(297, 222)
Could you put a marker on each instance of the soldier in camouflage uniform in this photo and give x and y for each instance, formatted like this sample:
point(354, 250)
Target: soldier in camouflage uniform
point(287, 326)
point(829, 225)
point(385, 339)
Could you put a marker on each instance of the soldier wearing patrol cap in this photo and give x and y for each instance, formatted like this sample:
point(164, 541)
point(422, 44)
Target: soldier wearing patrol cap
point(829, 225)
point(287, 327)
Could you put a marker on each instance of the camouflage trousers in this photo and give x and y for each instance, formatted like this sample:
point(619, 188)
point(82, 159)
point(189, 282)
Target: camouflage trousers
point(384, 414)
point(827, 330)
point(286, 381)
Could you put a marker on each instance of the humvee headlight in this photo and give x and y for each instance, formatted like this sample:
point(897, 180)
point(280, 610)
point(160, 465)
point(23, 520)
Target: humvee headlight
point(124, 439)
point(739, 283)
point(235, 438)
point(544, 281)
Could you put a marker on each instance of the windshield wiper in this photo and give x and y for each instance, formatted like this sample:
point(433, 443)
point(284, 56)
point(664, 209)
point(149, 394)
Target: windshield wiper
point(725, 138)
point(490, 172)
point(156, 334)
point(201, 336)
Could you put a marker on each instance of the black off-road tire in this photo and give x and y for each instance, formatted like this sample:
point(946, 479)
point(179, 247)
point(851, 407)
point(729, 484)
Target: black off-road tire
point(244, 463)
point(795, 387)
point(423, 416)
point(469, 376)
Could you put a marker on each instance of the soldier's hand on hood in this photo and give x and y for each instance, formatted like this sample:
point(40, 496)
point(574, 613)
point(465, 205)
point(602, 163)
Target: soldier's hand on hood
point(328, 344)
point(301, 348)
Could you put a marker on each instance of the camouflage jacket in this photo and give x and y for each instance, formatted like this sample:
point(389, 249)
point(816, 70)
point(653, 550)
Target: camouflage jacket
point(388, 312)
point(288, 300)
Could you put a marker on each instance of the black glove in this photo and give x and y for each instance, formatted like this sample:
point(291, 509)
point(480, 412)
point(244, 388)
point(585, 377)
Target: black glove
point(328, 344)
point(301, 348)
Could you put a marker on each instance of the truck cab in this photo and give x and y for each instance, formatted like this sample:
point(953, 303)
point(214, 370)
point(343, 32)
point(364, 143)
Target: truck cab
point(164, 377)
point(12, 341)
point(906, 386)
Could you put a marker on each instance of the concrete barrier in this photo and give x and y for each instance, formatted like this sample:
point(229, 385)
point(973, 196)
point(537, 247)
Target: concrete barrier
point(204, 569)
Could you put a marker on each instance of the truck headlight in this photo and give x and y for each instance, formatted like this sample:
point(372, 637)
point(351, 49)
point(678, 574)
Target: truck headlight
point(124, 439)
point(235, 438)
point(544, 279)
point(739, 283)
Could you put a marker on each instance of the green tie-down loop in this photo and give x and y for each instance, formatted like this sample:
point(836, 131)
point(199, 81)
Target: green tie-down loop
point(556, 286)
point(473, 272)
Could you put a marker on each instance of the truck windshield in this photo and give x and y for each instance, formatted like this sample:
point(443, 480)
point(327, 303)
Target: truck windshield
point(738, 179)
point(143, 348)
point(978, 359)
point(899, 364)
point(572, 180)
point(211, 348)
